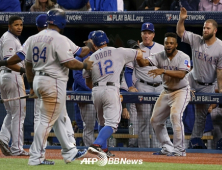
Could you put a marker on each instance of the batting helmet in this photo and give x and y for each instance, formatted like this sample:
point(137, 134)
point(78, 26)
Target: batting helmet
point(57, 17)
point(41, 21)
point(99, 38)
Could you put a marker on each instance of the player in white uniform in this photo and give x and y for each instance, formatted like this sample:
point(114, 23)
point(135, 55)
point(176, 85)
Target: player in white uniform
point(172, 65)
point(207, 65)
point(11, 86)
point(50, 55)
point(105, 79)
point(146, 84)
point(41, 23)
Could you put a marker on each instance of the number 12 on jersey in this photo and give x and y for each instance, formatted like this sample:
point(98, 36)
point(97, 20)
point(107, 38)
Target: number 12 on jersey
point(103, 68)
point(36, 55)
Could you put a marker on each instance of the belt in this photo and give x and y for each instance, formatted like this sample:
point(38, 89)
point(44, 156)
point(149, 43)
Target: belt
point(7, 71)
point(40, 73)
point(107, 84)
point(205, 84)
point(151, 84)
point(172, 90)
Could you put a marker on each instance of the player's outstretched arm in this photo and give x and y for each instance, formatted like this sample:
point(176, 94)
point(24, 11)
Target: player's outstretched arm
point(180, 23)
point(77, 65)
point(140, 60)
point(89, 47)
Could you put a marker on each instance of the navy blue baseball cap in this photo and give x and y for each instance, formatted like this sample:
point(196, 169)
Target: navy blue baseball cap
point(147, 26)
point(90, 34)
point(41, 21)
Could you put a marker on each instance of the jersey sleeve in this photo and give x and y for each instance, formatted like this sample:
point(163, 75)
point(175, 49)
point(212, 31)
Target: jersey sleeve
point(8, 49)
point(64, 50)
point(86, 73)
point(153, 60)
point(22, 51)
point(75, 49)
point(190, 38)
point(128, 54)
point(184, 63)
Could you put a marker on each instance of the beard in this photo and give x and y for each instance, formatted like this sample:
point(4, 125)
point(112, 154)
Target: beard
point(169, 54)
point(207, 37)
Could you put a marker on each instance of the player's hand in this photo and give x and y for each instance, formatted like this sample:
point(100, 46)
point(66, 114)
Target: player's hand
point(212, 106)
point(32, 95)
point(125, 114)
point(132, 89)
point(155, 72)
point(183, 13)
point(89, 43)
point(89, 63)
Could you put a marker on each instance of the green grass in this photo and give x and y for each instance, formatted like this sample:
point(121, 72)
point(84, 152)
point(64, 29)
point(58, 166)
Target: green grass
point(21, 164)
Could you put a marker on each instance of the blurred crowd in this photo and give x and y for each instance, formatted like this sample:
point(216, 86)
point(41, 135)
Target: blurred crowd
point(109, 5)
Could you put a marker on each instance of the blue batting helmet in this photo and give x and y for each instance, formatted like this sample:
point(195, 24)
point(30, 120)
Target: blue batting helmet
point(41, 21)
point(99, 38)
point(57, 17)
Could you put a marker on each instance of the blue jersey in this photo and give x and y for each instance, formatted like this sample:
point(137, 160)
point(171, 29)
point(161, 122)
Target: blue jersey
point(79, 82)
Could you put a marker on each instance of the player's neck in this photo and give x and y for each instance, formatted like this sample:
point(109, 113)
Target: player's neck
point(211, 41)
point(172, 55)
point(53, 27)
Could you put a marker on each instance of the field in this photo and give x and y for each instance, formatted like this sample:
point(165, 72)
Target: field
point(193, 161)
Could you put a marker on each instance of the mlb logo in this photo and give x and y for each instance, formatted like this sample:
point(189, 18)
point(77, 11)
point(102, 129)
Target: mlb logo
point(169, 17)
point(186, 62)
point(140, 98)
point(109, 17)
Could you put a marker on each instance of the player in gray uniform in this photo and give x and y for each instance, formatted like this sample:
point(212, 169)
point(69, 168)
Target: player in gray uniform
point(172, 65)
point(11, 86)
point(207, 65)
point(105, 79)
point(50, 55)
point(146, 84)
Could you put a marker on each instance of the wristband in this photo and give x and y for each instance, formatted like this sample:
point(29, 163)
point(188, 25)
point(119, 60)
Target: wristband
point(22, 70)
point(123, 105)
point(3, 63)
point(31, 85)
point(84, 65)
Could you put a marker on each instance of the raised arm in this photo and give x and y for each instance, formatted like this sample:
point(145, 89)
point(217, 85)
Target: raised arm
point(140, 60)
point(180, 23)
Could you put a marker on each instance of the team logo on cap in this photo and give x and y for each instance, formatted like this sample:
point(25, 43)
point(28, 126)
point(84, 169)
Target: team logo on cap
point(147, 25)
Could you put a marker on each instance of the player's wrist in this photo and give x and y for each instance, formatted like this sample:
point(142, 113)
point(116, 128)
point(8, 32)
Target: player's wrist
point(22, 70)
point(3, 63)
point(84, 65)
point(164, 71)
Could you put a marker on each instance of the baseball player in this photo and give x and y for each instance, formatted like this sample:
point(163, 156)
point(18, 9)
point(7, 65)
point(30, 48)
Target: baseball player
point(87, 111)
point(41, 23)
point(207, 65)
point(173, 66)
point(12, 85)
point(145, 83)
point(50, 54)
point(104, 79)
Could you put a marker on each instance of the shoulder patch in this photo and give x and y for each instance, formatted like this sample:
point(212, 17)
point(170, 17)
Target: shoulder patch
point(186, 62)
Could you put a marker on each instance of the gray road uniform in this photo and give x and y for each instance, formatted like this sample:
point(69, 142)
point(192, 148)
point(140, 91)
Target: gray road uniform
point(206, 61)
point(47, 51)
point(171, 102)
point(23, 49)
point(108, 64)
point(12, 85)
point(146, 84)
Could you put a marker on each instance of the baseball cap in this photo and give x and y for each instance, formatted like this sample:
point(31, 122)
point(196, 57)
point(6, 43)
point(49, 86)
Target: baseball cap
point(90, 34)
point(41, 21)
point(147, 26)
